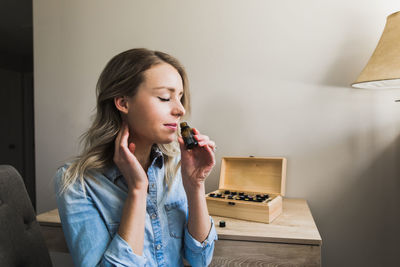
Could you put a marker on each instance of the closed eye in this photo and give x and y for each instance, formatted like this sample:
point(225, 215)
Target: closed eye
point(164, 99)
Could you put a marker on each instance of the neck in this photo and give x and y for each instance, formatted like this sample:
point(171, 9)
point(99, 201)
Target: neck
point(142, 151)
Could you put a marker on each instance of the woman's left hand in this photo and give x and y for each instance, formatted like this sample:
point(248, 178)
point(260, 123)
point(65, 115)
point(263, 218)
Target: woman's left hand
point(198, 162)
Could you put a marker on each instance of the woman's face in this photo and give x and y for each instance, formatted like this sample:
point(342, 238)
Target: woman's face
point(155, 110)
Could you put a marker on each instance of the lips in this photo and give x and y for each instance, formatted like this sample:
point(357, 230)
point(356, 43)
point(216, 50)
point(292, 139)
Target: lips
point(173, 126)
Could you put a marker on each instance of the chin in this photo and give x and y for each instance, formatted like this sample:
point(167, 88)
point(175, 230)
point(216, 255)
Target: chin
point(166, 140)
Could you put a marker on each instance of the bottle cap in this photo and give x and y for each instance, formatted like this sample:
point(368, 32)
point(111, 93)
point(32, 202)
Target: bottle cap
point(222, 224)
point(184, 125)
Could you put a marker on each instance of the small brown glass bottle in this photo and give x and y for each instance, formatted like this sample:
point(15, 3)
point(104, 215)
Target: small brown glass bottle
point(187, 135)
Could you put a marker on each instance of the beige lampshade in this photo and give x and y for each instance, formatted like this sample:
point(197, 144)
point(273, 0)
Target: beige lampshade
point(383, 68)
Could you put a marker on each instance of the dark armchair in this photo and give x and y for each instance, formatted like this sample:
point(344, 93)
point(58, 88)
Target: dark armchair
point(21, 241)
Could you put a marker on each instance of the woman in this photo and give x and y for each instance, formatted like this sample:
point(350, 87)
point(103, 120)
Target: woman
point(136, 196)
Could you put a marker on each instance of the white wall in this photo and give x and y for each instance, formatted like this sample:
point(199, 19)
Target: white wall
point(268, 78)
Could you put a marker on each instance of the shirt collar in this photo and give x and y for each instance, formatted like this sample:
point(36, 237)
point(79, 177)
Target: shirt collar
point(156, 158)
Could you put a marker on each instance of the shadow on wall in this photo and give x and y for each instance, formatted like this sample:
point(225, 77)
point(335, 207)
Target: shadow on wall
point(361, 225)
point(353, 54)
point(346, 67)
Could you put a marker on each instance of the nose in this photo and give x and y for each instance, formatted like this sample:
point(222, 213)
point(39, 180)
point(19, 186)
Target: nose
point(178, 109)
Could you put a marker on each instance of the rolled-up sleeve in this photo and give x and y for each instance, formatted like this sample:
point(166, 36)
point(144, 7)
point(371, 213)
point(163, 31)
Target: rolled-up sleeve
point(87, 236)
point(200, 254)
point(119, 253)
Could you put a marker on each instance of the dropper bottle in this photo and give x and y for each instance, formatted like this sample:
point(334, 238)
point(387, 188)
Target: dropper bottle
point(188, 136)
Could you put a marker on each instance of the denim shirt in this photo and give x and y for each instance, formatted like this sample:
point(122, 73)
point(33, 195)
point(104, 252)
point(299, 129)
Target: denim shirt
point(90, 222)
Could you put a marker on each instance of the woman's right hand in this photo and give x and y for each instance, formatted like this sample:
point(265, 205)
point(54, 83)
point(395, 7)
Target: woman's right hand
point(127, 163)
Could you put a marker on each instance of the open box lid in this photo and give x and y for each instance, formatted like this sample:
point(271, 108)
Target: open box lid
point(259, 175)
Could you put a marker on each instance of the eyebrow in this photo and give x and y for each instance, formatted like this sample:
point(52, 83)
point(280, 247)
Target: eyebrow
point(169, 88)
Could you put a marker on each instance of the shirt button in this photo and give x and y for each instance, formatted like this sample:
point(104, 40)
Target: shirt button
point(205, 243)
point(158, 247)
point(153, 185)
point(153, 216)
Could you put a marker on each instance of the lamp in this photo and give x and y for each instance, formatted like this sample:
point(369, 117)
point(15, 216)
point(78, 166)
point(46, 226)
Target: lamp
point(383, 68)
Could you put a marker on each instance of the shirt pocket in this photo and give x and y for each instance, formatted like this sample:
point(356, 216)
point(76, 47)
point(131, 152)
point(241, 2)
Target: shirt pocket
point(176, 216)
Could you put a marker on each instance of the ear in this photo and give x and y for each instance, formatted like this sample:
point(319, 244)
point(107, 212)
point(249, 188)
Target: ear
point(121, 103)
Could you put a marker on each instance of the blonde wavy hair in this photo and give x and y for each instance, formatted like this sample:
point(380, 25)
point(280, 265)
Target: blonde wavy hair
point(121, 77)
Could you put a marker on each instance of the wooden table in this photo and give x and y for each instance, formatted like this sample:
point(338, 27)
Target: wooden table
point(290, 240)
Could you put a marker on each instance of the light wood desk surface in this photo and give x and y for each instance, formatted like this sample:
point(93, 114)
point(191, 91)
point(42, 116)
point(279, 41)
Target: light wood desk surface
point(292, 239)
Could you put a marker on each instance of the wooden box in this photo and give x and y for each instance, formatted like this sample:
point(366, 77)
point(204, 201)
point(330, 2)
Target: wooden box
point(259, 184)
